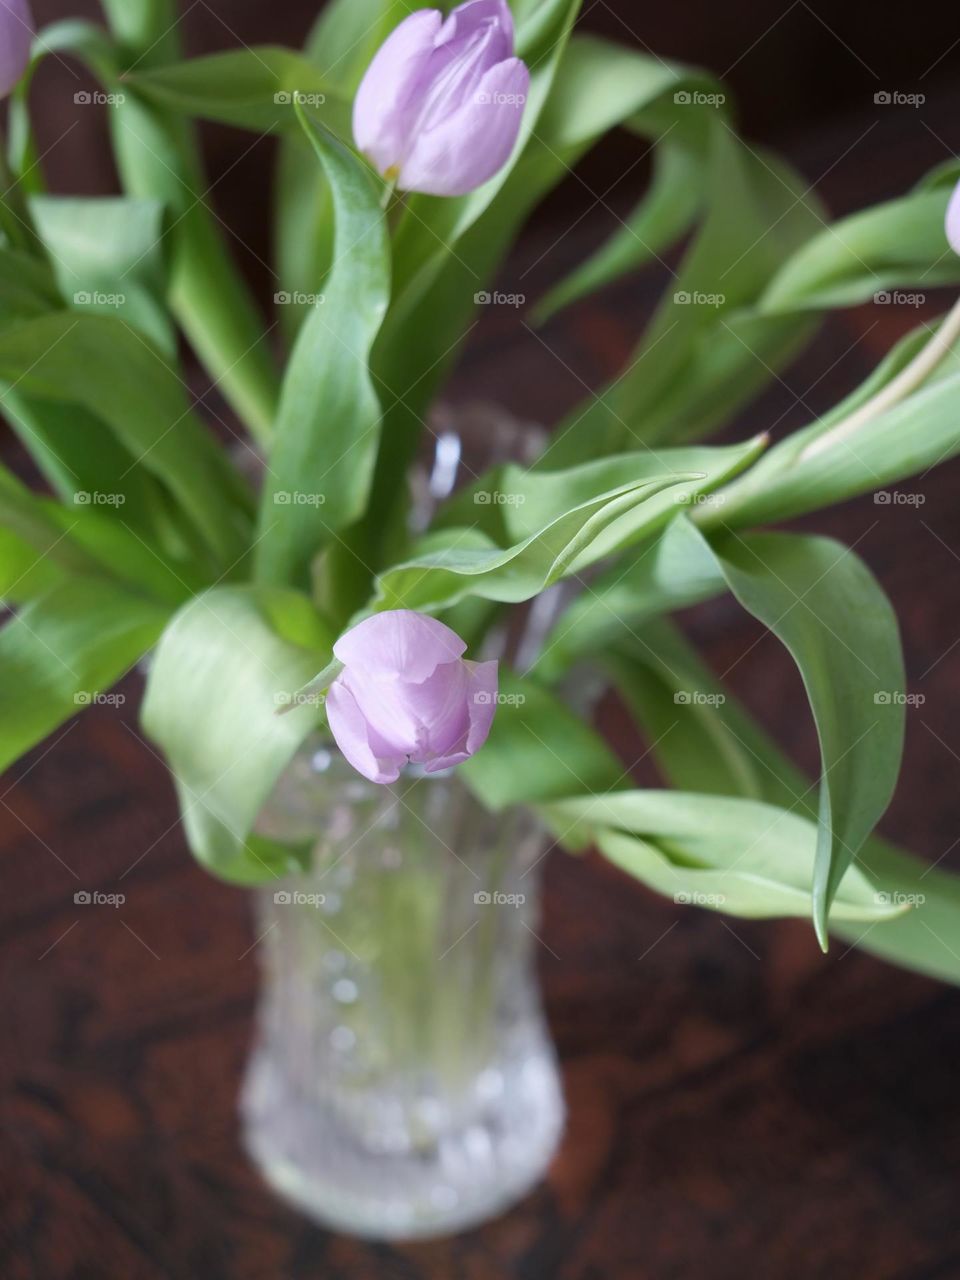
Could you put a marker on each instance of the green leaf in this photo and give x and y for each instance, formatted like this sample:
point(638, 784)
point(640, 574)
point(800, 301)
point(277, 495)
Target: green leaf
point(60, 650)
point(158, 159)
point(442, 577)
point(252, 88)
point(24, 574)
point(899, 243)
point(692, 739)
point(107, 256)
point(222, 669)
point(538, 750)
point(672, 570)
point(705, 353)
point(731, 855)
point(329, 419)
point(510, 503)
point(27, 287)
point(100, 363)
point(826, 607)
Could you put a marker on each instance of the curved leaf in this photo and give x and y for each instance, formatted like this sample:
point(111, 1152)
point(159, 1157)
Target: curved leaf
point(329, 419)
point(220, 672)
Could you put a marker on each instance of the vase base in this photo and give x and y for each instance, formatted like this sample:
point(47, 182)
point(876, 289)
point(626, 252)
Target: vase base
point(463, 1175)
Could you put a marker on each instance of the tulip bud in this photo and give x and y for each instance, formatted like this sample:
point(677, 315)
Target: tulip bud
point(953, 220)
point(440, 106)
point(407, 694)
point(16, 37)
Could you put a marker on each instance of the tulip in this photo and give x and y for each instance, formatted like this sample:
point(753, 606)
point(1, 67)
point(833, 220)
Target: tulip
point(953, 220)
point(440, 106)
point(16, 37)
point(406, 694)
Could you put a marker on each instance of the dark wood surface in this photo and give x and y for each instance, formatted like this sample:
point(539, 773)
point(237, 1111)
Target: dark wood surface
point(739, 1105)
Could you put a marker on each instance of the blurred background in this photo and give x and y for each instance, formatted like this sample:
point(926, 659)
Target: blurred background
point(739, 1104)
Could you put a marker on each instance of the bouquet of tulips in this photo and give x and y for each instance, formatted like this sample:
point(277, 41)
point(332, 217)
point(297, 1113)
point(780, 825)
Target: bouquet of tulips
point(268, 563)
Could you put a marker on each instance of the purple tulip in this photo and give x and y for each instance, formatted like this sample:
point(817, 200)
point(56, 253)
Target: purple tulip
point(440, 106)
point(16, 37)
point(953, 220)
point(406, 693)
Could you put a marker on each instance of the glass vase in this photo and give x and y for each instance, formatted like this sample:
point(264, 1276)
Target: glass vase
point(403, 1082)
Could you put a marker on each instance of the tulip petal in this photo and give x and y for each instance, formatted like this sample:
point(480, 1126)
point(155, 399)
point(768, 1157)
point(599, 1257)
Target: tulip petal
point(454, 75)
point(471, 145)
point(953, 220)
point(352, 735)
point(467, 18)
point(442, 707)
point(16, 37)
point(481, 691)
point(398, 642)
point(392, 88)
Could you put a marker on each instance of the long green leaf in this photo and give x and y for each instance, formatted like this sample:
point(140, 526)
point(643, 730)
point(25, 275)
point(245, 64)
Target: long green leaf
point(100, 363)
point(108, 258)
point(728, 854)
point(691, 739)
point(463, 568)
point(329, 419)
point(61, 650)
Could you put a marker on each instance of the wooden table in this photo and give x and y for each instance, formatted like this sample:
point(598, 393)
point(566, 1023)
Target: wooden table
point(739, 1106)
